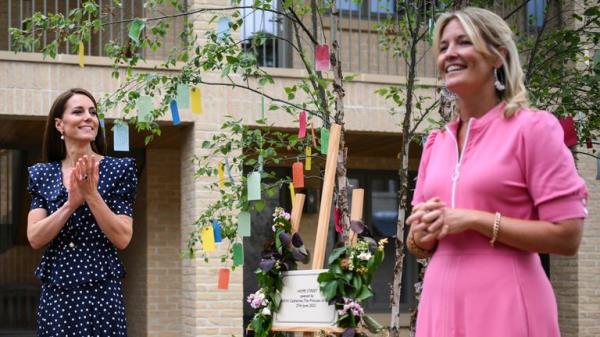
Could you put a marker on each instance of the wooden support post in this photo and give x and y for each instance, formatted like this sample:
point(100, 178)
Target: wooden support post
point(297, 211)
point(327, 196)
point(358, 198)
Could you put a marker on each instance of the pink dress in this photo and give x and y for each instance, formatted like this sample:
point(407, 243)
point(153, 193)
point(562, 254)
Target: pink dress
point(521, 168)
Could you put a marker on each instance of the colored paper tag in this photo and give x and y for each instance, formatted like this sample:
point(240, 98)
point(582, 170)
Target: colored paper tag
point(121, 137)
point(312, 133)
point(302, 127)
point(221, 175)
point(322, 57)
point(238, 254)
point(217, 230)
point(196, 100)
point(292, 193)
point(336, 220)
point(588, 143)
point(570, 135)
point(254, 186)
point(261, 162)
point(81, 52)
point(223, 27)
point(175, 112)
point(183, 96)
point(144, 107)
point(244, 224)
point(298, 174)
point(223, 283)
point(135, 29)
point(208, 239)
point(308, 154)
point(598, 169)
point(324, 140)
point(262, 108)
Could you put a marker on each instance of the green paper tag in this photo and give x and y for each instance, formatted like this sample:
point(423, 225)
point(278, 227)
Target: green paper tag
point(135, 29)
point(183, 96)
point(238, 254)
point(244, 224)
point(254, 186)
point(144, 106)
point(324, 140)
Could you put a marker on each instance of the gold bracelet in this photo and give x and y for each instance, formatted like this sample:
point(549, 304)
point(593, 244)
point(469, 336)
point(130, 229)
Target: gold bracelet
point(495, 228)
point(417, 251)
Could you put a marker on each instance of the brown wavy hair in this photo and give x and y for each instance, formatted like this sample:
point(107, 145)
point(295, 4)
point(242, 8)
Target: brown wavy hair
point(54, 148)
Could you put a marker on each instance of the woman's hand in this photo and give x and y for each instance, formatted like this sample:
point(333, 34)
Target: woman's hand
point(87, 176)
point(74, 196)
point(456, 221)
point(425, 222)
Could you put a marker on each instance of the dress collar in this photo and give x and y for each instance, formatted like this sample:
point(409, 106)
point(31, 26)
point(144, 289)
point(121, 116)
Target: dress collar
point(482, 122)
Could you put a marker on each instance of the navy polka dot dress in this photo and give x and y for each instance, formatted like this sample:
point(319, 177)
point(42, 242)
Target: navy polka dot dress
point(80, 270)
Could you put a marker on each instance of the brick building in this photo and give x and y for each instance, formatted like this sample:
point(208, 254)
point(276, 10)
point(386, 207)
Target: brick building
point(167, 295)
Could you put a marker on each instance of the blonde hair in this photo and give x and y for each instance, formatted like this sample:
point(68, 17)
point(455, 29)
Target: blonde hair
point(490, 34)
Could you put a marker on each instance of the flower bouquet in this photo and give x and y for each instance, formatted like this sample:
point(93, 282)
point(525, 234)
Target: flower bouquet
point(347, 283)
point(279, 255)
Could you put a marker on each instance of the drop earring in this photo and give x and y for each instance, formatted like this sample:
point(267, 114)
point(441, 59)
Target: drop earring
point(499, 86)
point(62, 137)
point(446, 93)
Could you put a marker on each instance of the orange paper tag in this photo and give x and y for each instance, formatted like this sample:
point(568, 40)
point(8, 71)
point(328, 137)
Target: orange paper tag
point(223, 283)
point(298, 174)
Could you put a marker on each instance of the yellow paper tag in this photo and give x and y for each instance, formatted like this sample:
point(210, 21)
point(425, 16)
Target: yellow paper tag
point(292, 193)
point(208, 239)
point(81, 54)
point(196, 100)
point(308, 163)
point(221, 175)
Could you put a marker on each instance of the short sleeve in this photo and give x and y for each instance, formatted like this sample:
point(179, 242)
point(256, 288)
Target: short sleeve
point(123, 197)
point(418, 196)
point(37, 200)
point(557, 190)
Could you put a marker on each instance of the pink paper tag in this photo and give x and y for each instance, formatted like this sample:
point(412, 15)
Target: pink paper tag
point(336, 220)
point(302, 129)
point(322, 57)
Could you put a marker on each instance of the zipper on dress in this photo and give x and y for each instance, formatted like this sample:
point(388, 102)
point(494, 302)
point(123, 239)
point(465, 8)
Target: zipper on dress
point(456, 173)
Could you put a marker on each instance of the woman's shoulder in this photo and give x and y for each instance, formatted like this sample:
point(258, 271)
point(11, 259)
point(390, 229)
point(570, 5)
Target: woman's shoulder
point(42, 169)
point(531, 117)
point(119, 166)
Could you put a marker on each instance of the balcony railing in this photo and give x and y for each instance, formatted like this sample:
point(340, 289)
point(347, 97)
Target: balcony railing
point(357, 34)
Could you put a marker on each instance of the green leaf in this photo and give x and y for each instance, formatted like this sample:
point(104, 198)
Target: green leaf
point(135, 29)
point(335, 254)
point(259, 205)
point(371, 324)
point(364, 294)
point(330, 290)
point(326, 277)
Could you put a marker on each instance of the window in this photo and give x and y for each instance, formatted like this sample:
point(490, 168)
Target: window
point(535, 13)
point(11, 196)
point(364, 7)
point(380, 215)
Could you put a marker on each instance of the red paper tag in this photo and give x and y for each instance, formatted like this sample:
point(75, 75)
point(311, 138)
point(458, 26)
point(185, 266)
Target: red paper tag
point(322, 57)
point(336, 220)
point(568, 126)
point(298, 174)
point(588, 143)
point(302, 129)
point(223, 279)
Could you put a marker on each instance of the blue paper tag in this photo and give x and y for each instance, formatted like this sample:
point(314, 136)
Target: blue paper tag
point(217, 230)
point(175, 112)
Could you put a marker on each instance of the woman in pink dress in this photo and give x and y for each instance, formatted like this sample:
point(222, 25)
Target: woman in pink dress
point(496, 187)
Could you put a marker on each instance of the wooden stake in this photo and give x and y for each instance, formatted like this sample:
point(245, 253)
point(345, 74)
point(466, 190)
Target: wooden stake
point(327, 196)
point(297, 211)
point(358, 198)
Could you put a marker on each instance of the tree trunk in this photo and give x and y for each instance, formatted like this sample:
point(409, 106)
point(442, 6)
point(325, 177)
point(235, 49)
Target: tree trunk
point(403, 179)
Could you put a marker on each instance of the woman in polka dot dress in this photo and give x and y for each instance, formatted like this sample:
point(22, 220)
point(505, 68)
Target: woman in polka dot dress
point(81, 207)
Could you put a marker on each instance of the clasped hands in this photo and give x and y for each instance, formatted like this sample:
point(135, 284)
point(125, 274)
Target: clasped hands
point(83, 180)
point(432, 220)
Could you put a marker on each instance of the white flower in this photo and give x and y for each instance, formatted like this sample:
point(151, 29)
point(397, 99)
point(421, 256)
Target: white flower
point(266, 311)
point(365, 256)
